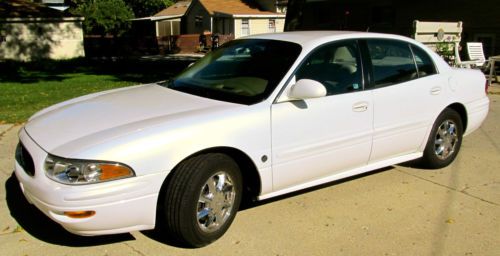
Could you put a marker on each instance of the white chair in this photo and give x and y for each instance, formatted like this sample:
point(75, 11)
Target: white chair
point(462, 64)
point(476, 53)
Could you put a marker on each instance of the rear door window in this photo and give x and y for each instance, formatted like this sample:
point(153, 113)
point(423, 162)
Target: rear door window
point(425, 65)
point(392, 62)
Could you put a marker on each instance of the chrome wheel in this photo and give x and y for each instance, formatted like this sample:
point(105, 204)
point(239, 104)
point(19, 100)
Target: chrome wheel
point(216, 201)
point(202, 198)
point(446, 139)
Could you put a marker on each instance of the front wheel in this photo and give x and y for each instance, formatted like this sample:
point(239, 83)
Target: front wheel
point(202, 198)
point(444, 141)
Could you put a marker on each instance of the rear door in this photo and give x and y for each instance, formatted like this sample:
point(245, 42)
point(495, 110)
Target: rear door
point(407, 96)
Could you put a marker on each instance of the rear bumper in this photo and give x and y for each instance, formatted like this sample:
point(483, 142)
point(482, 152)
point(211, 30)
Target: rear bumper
point(120, 206)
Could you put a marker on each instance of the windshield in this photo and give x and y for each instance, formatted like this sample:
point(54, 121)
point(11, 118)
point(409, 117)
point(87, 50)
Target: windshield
point(241, 71)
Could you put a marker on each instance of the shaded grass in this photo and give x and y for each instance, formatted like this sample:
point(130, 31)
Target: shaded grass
point(26, 88)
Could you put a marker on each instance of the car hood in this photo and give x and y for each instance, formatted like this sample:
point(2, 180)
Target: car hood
point(114, 113)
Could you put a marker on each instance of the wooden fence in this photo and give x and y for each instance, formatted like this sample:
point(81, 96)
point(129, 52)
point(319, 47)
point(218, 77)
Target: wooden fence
point(107, 46)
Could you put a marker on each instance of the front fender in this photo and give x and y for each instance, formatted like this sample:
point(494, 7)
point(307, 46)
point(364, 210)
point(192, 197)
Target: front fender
point(160, 147)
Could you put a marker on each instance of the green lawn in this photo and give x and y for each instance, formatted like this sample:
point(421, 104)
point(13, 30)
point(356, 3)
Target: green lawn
point(19, 101)
point(26, 88)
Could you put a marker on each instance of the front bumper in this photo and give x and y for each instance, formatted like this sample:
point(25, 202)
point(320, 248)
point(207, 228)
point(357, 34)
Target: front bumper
point(120, 206)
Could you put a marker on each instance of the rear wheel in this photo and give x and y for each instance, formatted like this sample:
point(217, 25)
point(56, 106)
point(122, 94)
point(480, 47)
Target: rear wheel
point(444, 141)
point(202, 199)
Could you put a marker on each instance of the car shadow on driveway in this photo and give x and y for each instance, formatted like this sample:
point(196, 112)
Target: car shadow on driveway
point(246, 205)
point(161, 236)
point(43, 228)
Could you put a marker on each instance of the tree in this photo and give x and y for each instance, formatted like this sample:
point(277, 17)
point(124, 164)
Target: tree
point(146, 8)
point(103, 16)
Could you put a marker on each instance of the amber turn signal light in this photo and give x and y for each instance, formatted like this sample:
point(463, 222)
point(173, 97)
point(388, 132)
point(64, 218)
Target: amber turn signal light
point(80, 214)
point(110, 172)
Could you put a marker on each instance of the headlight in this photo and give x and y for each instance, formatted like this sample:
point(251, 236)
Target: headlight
point(75, 172)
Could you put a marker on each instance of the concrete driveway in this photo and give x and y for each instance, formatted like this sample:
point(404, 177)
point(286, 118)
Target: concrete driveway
point(395, 211)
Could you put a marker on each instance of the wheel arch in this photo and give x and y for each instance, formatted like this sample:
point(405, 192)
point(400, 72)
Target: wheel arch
point(460, 109)
point(252, 184)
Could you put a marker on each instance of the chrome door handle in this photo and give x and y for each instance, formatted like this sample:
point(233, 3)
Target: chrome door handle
point(360, 107)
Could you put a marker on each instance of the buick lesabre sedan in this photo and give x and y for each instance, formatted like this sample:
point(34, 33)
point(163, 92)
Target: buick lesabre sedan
point(257, 118)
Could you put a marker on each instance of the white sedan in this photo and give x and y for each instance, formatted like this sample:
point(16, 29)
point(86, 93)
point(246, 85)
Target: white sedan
point(257, 118)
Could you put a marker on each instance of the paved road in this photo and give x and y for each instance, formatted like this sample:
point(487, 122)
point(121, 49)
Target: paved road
point(394, 211)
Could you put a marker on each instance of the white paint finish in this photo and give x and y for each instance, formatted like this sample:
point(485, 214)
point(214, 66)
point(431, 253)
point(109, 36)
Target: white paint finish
point(136, 196)
point(306, 89)
point(403, 114)
point(153, 146)
point(477, 112)
point(109, 112)
point(341, 175)
point(317, 137)
point(152, 129)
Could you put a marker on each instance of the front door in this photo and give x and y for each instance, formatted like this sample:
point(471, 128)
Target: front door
point(314, 139)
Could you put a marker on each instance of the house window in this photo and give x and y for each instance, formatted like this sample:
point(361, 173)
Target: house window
point(245, 27)
point(198, 21)
point(272, 25)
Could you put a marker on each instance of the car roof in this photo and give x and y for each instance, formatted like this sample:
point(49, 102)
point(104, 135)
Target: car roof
point(305, 38)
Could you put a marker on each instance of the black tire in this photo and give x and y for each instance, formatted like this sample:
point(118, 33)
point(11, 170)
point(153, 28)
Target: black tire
point(191, 181)
point(444, 140)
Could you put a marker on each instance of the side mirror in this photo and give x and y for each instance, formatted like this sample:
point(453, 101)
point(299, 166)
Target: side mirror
point(307, 89)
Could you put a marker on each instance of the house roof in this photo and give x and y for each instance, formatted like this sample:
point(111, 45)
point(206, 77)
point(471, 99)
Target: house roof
point(234, 7)
point(176, 9)
point(27, 9)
